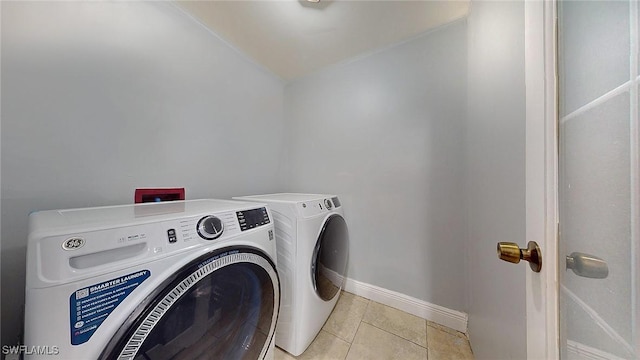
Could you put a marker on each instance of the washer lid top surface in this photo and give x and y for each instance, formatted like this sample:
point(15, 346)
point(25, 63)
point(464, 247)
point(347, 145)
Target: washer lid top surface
point(71, 220)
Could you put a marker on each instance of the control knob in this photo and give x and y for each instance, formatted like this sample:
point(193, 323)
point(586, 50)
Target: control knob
point(210, 227)
point(328, 204)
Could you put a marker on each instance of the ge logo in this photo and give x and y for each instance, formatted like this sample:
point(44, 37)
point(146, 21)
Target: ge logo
point(73, 243)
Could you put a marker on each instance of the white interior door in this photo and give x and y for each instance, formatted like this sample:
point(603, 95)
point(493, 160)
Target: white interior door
point(541, 177)
point(598, 179)
point(583, 174)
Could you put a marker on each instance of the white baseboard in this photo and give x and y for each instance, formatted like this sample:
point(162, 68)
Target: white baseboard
point(582, 351)
point(450, 318)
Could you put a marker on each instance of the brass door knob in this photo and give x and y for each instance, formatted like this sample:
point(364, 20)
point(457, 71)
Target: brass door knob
point(512, 253)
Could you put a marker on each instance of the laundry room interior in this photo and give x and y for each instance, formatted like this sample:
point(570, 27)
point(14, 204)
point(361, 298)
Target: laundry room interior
point(101, 98)
point(411, 112)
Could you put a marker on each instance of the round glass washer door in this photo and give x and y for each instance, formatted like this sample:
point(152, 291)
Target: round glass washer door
point(223, 305)
point(329, 261)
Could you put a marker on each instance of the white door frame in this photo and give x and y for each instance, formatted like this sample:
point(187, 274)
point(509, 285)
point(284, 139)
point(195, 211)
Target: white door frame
point(541, 177)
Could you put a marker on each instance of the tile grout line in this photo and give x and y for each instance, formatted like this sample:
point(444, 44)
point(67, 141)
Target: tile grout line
point(332, 334)
point(456, 334)
point(426, 335)
point(358, 329)
point(396, 335)
point(425, 322)
point(354, 335)
point(367, 301)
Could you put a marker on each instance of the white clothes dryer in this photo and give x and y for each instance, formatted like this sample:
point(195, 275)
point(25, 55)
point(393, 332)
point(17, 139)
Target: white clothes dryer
point(312, 241)
point(173, 280)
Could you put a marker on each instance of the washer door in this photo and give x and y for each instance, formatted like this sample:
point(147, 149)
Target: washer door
point(329, 262)
point(223, 305)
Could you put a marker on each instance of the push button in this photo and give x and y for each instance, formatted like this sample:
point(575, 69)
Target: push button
point(171, 234)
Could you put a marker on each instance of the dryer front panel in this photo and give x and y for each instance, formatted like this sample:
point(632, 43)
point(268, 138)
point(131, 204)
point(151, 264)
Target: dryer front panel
point(223, 305)
point(329, 260)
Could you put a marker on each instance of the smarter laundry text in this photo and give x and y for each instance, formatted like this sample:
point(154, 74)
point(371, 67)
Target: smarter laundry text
point(111, 283)
point(90, 306)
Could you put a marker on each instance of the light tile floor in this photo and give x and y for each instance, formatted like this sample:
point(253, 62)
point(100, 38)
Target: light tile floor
point(362, 329)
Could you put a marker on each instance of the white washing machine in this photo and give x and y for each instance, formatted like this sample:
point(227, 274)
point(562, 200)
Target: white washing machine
point(174, 280)
point(312, 240)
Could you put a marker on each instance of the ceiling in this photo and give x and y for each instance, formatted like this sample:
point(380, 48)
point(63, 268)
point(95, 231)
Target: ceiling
point(293, 38)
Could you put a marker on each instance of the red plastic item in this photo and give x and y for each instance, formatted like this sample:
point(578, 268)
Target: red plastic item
point(158, 195)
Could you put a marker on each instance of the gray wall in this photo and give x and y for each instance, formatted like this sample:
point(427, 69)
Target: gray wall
point(99, 98)
point(386, 133)
point(495, 178)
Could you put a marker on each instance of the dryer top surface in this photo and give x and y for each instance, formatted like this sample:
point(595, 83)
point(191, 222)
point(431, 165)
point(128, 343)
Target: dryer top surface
point(286, 197)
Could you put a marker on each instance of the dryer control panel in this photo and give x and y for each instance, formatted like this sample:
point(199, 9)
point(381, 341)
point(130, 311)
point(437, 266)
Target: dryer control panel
point(312, 208)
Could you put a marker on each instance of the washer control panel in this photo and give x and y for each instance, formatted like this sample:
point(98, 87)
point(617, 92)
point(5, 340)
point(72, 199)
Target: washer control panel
point(249, 219)
point(72, 255)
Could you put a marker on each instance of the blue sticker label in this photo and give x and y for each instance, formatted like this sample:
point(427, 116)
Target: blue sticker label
point(90, 306)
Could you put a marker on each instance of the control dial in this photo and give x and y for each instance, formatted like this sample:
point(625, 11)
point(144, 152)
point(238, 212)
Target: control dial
point(210, 227)
point(328, 204)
